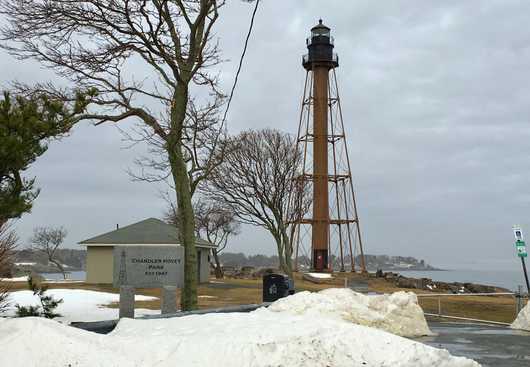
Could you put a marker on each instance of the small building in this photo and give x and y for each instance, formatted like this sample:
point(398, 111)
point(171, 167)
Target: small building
point(152, 231)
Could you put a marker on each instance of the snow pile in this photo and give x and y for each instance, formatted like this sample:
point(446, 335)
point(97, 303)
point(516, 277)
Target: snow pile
point(321, 275)
point(32, 342)
point(78, 304)
point(522, 322)
point(255, 339)
point(397, 313)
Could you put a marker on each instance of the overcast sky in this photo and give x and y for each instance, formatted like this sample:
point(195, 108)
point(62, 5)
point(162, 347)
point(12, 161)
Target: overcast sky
point(436, 103)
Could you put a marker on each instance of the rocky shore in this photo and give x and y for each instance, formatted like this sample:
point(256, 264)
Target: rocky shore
point(428, 284)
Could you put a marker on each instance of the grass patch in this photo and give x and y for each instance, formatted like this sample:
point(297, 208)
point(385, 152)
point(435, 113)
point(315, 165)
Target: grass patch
point(230, 292)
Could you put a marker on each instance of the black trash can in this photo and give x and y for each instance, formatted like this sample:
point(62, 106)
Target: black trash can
point(276, 286)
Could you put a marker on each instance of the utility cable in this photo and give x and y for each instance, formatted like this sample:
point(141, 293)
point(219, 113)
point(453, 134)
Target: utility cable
point(240, 63)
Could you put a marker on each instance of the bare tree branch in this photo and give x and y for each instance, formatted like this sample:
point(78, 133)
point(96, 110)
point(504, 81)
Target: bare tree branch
point(255, 180)
point(8, 244)
point(213, 223)
point(47, 240)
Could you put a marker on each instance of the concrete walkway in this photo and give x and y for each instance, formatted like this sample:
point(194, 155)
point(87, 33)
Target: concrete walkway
point(491, 346)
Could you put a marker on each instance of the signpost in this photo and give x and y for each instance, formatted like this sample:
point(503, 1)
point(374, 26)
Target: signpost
point(521, 251)
point(148, 267)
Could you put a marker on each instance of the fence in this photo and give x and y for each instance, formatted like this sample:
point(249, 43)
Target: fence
point(491, 308)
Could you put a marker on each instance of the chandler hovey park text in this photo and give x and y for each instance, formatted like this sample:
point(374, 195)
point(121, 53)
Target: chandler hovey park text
point(155, 266)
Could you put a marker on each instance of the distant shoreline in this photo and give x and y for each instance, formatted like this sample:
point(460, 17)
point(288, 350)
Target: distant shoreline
point(412, 269)
point(507, 279)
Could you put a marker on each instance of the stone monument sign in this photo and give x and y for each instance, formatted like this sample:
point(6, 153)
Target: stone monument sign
point(148, 267)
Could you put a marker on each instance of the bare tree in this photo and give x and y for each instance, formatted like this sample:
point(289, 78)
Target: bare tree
point(8, 244)
point(216, 224)
point(255, 180)
point(99, 44)
point(213, 223)
point(47, 240)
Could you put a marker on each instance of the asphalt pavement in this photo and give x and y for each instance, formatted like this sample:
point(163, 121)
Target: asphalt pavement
point(491, 346)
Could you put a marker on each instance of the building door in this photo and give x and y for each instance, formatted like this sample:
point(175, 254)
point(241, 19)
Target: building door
point(320, 260)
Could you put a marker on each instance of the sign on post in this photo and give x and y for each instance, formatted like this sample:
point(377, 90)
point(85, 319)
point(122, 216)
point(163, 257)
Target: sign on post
point(148, 267)
point(521, 251)
point(520, 245)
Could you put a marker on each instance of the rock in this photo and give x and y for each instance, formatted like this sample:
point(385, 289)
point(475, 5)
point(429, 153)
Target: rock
point(479, 288)
point(261, 272)
point(229, 270)
point(404, 282)
point(430, 285)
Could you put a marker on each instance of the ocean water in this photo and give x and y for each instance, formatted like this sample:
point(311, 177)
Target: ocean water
point(509, 279)
point(73, 275)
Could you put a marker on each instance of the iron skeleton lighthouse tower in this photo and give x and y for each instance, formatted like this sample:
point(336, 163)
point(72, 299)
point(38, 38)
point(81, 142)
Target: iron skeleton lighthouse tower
point(331, 220)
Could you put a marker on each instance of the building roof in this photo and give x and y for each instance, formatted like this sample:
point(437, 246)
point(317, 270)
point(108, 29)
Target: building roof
point(150, 231)
point(320, 25)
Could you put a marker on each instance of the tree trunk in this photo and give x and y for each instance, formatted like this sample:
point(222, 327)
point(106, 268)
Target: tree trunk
point(59, 266)
point(281, 254)
point(186, 225)
point(186, 228)
point(287, 252)
point(218, 269)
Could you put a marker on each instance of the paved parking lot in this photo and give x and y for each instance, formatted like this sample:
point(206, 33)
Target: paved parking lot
point(491, 346)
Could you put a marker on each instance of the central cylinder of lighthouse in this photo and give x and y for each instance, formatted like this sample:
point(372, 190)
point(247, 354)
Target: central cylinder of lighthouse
point(320, 230)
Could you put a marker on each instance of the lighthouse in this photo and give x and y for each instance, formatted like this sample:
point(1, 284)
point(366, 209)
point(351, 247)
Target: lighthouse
point(335, 236)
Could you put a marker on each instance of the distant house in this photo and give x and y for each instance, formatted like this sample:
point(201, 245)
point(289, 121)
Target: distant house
point(152, 231)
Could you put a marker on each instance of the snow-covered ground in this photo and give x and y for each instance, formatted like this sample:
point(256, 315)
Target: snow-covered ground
point(25, 279)
point(78, 304)
point(260, 338)
point(522, 322)
point(398, 313)
point(16, 279)
point(321, 275)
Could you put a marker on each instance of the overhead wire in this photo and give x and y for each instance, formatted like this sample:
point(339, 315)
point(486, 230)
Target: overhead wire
point(251, 26)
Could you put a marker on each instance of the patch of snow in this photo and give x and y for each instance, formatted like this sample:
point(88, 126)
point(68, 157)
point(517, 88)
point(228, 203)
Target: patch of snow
point(397, 313)
point(25, 279)
point(17, 279)
point(321, 275)
point(78, 304)
point(25, 264)
point(208, 297)
point(257, 339)
point(522, 322)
